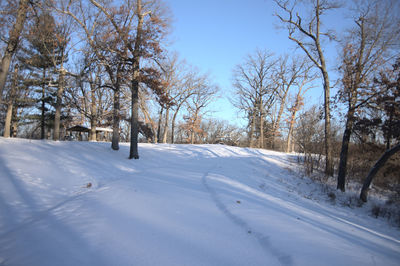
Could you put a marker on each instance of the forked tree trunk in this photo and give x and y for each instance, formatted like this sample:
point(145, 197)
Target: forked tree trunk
point(12, 43)
point(374, 170)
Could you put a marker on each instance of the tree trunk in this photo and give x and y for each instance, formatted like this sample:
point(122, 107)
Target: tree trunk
point(93, 112)
point(164, 140)
point(252, 129)
point(278, 120)
point(116, 118)
point(42, 122)
point(12, 43)
point(341, 181)
point(261, 141)
point(10, 104)
point(291, 126)
point(328, 139)
point(159, 125)
point(173, 125)
point(374, 170)
point(133, 151)
point(57, 117)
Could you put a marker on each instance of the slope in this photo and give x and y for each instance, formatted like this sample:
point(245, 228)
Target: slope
point(177, 205)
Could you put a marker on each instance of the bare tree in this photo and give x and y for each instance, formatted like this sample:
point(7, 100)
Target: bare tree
point(202, 96)
point(255, 91)
point(365, 50)
point(298, 102)
point(307, 35)
point(287, 76)
point(103, 42)
point(141, 40)
point(187, 89)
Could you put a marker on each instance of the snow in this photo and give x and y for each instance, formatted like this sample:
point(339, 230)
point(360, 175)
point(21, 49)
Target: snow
point(176, 205)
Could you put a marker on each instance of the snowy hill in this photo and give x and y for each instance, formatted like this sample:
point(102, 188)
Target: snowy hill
point(176, 205)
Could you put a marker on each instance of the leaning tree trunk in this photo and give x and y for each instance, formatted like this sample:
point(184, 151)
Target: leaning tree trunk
point(374, 170)
point(10, 104)
point(12, 43)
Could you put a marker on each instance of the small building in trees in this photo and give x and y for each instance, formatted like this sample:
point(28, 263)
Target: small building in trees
point(81, 133)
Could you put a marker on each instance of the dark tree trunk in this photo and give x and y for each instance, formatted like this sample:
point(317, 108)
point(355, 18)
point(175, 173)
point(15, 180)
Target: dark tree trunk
point(133, 152)
point(12, 43)
point(374, 170)
point(116, 118)
point(341, 180)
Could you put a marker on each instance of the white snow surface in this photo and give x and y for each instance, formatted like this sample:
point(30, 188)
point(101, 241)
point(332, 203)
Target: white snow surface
point(176, 205)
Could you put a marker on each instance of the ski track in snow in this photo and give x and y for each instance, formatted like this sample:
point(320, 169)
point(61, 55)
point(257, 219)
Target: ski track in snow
point(264, 240)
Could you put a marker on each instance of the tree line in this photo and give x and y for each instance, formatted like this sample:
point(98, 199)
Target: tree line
point(360, 120)
point(100, 63)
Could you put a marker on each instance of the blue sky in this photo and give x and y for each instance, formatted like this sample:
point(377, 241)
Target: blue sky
point(216, 35)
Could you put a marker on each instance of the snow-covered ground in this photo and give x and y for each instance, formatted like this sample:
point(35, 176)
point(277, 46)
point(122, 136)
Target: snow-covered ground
point(176, 205)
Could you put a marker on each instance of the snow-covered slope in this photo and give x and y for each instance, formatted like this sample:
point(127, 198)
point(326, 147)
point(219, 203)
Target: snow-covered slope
point(176, 205)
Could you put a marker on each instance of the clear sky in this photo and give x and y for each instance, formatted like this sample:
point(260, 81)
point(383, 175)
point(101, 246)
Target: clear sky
point(216, 35)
